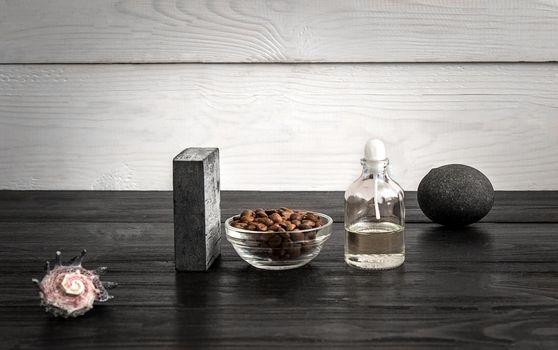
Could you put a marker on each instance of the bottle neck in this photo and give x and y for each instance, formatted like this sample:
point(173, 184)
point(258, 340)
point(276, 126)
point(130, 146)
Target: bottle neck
point(374, 168)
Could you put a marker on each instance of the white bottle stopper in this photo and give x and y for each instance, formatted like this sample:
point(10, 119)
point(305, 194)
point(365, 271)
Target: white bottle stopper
point(375, 150)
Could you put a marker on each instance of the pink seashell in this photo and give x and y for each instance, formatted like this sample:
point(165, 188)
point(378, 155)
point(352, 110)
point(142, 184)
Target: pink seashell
point(70, 290)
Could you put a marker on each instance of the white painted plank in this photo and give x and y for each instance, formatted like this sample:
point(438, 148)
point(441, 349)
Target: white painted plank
point(78, 31)
point(279, 127)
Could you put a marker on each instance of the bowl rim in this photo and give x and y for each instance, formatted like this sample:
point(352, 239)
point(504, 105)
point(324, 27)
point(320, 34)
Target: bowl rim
point(327, 217)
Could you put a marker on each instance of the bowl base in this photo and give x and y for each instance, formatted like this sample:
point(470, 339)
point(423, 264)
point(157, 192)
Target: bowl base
point(273, 267)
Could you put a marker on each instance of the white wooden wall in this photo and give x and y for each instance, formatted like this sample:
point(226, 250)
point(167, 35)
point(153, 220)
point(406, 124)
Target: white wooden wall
point(102, 94)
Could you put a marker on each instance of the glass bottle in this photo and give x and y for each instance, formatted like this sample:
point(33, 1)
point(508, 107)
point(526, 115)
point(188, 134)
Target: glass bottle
point(374, 214)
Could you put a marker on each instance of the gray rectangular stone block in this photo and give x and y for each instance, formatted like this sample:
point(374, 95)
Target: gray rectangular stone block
point(197, 215)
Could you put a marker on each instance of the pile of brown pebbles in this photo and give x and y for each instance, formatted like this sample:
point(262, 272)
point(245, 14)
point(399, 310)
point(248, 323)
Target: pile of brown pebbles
point(280, 229)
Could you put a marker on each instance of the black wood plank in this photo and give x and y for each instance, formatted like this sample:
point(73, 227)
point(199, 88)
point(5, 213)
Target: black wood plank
point(24, 244)
point(333, 326)
point(108, 206)
point(492, 285)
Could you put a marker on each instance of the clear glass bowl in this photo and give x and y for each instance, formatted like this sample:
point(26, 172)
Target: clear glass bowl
point(271, 250)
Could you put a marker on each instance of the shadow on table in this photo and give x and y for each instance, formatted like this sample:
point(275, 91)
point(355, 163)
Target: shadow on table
point(91, 328)
point(197, 293)
point(232, 299)
point(289, 287)
point(472, 236)
point(458, 249)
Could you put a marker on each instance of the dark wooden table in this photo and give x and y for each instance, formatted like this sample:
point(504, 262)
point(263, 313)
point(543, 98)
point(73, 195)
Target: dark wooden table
point(492, 285)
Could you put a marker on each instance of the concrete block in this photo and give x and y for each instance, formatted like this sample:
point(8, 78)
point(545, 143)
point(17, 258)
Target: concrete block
point(197, 214)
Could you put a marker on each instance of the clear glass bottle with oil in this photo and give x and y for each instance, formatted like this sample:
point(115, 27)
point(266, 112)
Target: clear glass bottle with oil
point(374, 215)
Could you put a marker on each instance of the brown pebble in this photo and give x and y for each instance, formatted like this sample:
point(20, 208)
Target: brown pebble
point(284, 235)
point(261, 214)
point(265, 236)
point(286, 244)
point(274, 241)
point(309, 223)
point(294, 250)
point(290, 226)
point(304, 226)
point(296, 217)
point(297, 236)
point(247, 212)
point(241, 225)
point(286, 212)
point(265, 221)
point(311, 216)
point(276, 217)
point(246, 219)
point(261, 227)
point(274, 227)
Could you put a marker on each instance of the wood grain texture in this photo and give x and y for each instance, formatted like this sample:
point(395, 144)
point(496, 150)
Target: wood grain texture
point(129, 206)
point(279, 127)
point(492, 286)
point(78, 31)
point(523, 243)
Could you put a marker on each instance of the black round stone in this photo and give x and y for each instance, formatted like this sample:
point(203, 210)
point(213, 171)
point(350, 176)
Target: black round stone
point(455, 195)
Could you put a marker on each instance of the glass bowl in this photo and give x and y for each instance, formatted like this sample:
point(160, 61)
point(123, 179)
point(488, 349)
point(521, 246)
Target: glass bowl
point(270, 250)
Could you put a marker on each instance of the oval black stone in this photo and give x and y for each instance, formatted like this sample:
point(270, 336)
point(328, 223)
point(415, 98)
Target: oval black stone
point(455, 195)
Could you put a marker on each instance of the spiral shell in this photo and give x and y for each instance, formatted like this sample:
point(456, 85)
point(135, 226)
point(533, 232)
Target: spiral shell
point(70, 290)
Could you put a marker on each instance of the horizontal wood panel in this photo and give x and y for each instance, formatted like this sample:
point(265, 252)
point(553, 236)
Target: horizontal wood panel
point(129, 206)
point(306, 327)
point(426, 244)
point(492, 286)
point(279, 127)
point(488, 286)
point(78, 31)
